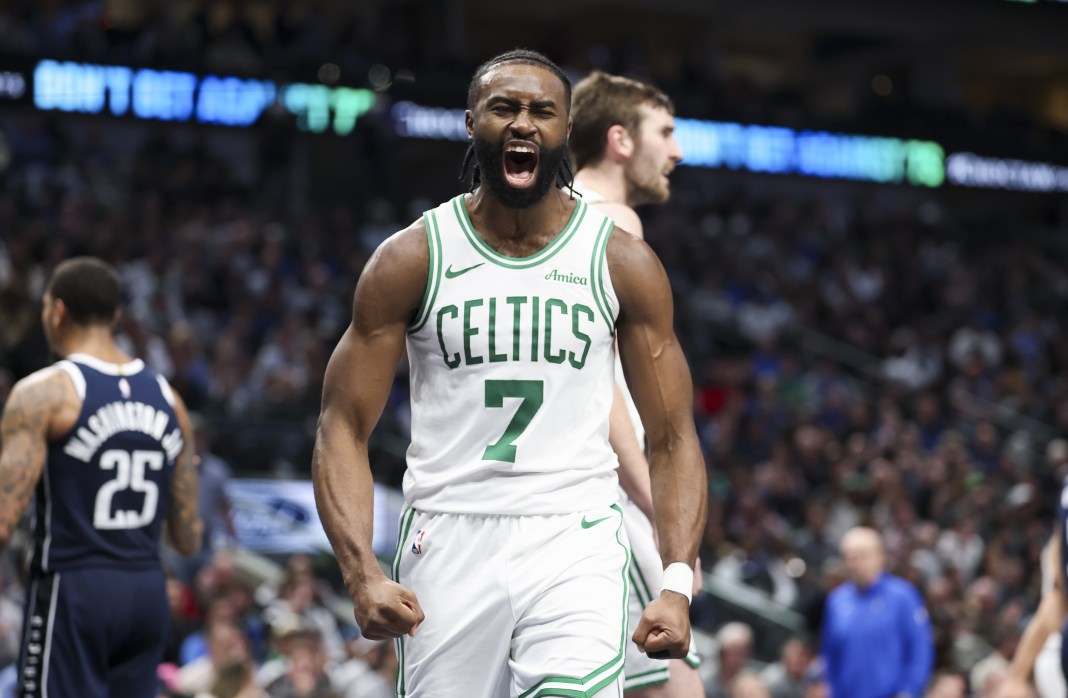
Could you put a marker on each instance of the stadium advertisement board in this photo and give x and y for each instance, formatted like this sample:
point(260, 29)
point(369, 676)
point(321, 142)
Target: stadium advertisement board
point(178, 96)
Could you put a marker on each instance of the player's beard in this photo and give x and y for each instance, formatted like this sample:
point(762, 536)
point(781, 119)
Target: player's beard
point(643, 175)
point(490, 159)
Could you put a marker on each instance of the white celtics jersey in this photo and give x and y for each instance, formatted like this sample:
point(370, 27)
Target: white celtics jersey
point(591, 196)
point(511, 372)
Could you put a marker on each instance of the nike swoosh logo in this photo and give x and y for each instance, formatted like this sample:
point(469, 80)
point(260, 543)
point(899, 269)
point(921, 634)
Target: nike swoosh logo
point(450, 274)
point(591, 524)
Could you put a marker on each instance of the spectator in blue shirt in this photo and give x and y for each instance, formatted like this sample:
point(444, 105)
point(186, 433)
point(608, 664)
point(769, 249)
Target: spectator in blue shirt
point(876, 636)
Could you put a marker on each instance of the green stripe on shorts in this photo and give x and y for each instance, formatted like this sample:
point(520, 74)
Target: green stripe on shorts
point(643, 600)
point(591, 683)
point(653, 677)
point(642, 587)
point(406, 517)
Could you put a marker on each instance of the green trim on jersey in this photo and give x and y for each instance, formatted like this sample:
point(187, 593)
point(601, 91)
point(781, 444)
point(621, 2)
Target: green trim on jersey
point(654, 677)
point(589, 685)
point(406, 518)
point(433, 274)
point(597, 265)
point(538, 257)
point(692, 658)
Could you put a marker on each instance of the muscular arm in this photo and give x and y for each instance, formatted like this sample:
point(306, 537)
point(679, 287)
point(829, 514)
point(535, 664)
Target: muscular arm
point(633, 467)
point(659, 380)
point(184, 526)
point(25, 429)
point(1046, 620)
point(357, 383)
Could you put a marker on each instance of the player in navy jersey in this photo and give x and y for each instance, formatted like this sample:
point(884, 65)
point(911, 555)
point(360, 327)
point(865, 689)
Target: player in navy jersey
point(106, 448)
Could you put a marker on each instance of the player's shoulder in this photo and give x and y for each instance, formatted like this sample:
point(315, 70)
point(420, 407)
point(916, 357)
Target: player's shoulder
point(396, 275)
point(42, 390)
point(41, 381)
point(627, 254)
point(414, 234)
point(407, 247)
point(624, 217)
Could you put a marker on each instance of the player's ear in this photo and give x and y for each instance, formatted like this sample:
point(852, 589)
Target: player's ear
point(469, 122)
point(115, 318)
point(619, 141)
point(59, 311)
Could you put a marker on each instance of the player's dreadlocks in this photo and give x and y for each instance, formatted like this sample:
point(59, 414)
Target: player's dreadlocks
point(520, 55)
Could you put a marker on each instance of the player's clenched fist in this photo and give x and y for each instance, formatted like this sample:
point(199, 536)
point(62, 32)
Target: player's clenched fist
point(385, 610)
point(664, 629)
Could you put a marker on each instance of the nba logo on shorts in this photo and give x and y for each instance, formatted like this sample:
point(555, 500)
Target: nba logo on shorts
point(417, 545)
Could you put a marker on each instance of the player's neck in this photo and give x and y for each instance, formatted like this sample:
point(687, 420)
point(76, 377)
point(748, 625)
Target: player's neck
point(493, 219)
point(606, 179)
point(95, 341)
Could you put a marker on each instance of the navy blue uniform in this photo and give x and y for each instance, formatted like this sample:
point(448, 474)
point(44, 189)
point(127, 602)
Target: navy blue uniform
point(96, 614)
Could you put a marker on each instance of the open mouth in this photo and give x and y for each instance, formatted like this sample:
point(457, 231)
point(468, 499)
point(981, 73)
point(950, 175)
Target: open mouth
point(520, 163)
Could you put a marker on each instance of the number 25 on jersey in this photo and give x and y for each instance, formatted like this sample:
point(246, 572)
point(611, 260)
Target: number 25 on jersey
point(129, 475)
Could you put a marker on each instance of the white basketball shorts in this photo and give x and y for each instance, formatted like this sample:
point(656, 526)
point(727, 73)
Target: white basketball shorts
point(1049, 677)
point(516, 606)
point(646, 576)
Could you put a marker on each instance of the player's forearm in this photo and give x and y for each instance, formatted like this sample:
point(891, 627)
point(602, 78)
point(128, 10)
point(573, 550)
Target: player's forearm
point(634, 479)
point(13, 498)
point(633, 467)
point(185, 539)
point(185, 528)
point(1047, 620)
point(7, 530)
point(680, 498)
point(344, 497)
point(11, 504)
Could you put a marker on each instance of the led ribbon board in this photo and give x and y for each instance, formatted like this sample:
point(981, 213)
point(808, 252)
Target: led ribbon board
point(413, 121)
point(970, 170)
point(814, 153)
point(754, 148)
point(167, 95)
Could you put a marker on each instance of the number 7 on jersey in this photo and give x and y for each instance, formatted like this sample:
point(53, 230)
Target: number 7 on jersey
point(532, 394)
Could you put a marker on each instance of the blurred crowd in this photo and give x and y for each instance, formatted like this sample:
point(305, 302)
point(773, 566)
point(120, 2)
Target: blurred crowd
point(895, 361)
point(233, 636)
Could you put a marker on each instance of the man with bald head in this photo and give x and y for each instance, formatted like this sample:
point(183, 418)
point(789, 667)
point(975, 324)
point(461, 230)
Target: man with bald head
point(876, 637)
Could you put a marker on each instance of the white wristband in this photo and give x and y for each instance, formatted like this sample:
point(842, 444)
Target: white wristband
point(678, 577)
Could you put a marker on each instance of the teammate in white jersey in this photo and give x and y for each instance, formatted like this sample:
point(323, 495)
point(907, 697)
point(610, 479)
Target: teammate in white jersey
point(511, 573)
point(623, 146)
